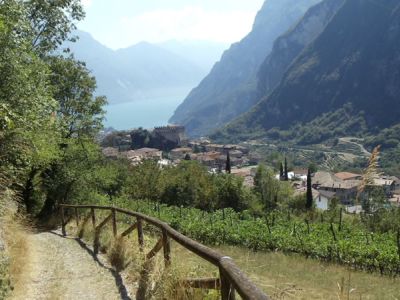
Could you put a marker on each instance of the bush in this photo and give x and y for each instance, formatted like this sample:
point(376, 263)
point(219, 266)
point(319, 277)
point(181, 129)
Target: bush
point(117, 254)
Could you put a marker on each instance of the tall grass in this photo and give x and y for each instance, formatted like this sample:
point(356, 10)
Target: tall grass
point(13, 244)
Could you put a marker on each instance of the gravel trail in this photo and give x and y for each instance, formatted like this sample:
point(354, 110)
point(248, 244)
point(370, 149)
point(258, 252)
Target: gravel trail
point(64, 268)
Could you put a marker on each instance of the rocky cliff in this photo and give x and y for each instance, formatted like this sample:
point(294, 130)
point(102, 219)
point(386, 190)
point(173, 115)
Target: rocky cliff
point(231, 87)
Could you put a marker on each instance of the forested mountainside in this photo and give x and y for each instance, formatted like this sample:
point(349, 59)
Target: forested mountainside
point(141, 71)
point(288, 46)
point(230, 88)
point(352, 67)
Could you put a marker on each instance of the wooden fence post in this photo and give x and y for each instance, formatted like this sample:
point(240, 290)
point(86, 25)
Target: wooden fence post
point(398, 241)
point(227, 290)
point(333, 233)
point(93, 218)
point(167, 248)
point(63, 222)
point(76, 217)
point(114, 222)
point(308, 226)
point(140, 233)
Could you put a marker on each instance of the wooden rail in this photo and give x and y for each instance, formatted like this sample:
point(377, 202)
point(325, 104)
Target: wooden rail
point(231, 280)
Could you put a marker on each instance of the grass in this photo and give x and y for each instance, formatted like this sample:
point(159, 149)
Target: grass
point(118, 254)
point(14, 252)
point(293, 276)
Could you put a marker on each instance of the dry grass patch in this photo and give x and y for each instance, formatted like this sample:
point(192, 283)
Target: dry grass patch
point(118, 254)
point(15, 253)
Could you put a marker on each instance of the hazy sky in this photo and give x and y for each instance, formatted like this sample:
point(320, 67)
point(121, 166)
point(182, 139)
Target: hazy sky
point(121, 23)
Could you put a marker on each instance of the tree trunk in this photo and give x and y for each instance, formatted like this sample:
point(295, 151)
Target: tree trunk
point(27, 192)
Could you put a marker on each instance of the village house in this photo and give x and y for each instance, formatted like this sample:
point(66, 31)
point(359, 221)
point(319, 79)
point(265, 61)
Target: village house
point(136, 156)
point(300, 173)
point(246, 173)
point(209, 159)
point(180, 153)
point(348, 176)
point(236, 154)
point(345, 190)
point(238, 150)
point(110, 152)
point(323, 199)
point(387, 185)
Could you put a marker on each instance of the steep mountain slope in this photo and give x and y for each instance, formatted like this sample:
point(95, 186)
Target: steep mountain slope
point(230, 88)
point(354, 61)
point(288, 46)
point(138, 72)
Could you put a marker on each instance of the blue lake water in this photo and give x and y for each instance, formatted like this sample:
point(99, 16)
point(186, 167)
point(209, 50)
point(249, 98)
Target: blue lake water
point(146, 113)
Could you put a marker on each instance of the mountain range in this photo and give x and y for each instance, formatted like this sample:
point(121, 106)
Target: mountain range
point(145, 70)
point(310, 71)
point(231, 87)
point(345, 81)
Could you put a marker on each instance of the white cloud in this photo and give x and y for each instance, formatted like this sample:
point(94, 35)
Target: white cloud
point(188, 23)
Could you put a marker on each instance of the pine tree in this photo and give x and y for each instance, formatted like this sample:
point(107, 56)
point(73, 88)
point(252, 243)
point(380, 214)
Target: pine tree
point(286, 177)
point(309, 201)
point(228, 163)
point(281, 171)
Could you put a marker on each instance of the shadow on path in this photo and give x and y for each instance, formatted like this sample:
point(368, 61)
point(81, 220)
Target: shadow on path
point(118, 279)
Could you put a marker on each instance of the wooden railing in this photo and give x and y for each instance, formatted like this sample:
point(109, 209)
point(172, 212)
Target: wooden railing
point(231, 278)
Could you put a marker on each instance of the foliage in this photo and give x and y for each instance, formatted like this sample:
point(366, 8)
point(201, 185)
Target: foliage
point(81, 114)
point(269, 190)
point(48, 114)
point(351, 245)
point(145, 181)
point(110, 177)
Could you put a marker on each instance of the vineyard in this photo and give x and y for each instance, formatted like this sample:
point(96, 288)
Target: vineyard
point(345, 242)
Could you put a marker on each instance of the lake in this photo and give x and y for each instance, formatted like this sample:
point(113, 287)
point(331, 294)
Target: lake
point(146, 113)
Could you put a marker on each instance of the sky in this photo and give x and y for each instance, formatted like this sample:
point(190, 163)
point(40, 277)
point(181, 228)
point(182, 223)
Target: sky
point(122, 23)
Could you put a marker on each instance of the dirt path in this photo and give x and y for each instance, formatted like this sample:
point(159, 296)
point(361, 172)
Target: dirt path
point(64, 268)
point(351, 140)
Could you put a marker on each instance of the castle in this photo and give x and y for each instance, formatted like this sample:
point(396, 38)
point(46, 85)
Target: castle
point(172, 133)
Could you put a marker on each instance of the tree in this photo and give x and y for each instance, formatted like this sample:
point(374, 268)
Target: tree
point(187, 156)
point(28, 130)
point(313, 167)
point(309, 196)
point(286, 176)
point(230, 191)
point(228, 163)
point(51, 22)
point(49, 117)
point(281, 174)
point(80, 112)
point(267, 187)
point(110, 177)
